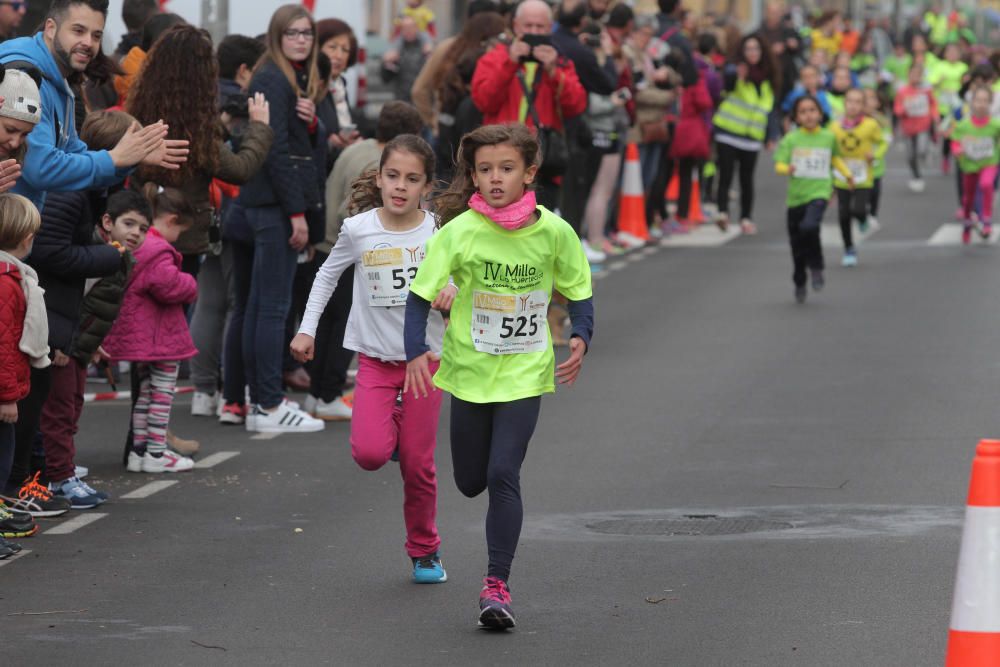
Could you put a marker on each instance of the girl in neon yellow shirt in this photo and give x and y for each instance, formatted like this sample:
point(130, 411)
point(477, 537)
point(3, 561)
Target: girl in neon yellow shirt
point(505, 255)
point(861, 144)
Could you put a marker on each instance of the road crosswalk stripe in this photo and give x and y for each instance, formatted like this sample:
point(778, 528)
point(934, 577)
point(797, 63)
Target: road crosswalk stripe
point(147, 490)
point(950, 234)
point(74, 524)
point(21, 554)
point(215, 459)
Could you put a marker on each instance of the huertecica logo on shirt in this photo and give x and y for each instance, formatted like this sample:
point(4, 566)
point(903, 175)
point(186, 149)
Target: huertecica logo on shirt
point(511, 276)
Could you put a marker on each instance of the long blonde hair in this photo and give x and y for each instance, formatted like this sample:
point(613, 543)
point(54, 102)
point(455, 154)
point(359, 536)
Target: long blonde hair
point(283, 17)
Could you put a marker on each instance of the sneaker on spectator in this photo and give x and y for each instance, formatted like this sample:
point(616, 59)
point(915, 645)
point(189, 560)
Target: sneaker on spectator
point(168, 462)
point(134, 463)
point(309, 404)
point(80, 471)
point(204, 405)
point(594, 256)
point(16, 524)
point(182, 446)
point(8, 549)
point(80, 496)
point(36, 500)
point(336, 410)
point(250, 421)
point(233, 413)
point(286, 418)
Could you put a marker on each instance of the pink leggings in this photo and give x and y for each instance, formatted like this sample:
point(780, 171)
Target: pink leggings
point(379, 426)
point(983, 182)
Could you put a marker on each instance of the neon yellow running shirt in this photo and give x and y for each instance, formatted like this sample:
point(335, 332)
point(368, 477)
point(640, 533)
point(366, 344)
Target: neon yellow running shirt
point(497, 347)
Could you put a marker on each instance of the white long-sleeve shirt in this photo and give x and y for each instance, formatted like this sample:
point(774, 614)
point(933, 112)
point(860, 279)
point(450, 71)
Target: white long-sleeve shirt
point(385, 262)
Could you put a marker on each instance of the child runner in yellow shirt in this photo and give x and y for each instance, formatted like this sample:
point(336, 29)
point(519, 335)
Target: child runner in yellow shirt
point(860, 143)
point(505, 255)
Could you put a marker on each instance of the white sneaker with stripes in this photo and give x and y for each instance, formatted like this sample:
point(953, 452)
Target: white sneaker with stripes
point(287, 418)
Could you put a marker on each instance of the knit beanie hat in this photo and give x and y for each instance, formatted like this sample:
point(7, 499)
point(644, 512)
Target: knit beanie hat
point(21, 99)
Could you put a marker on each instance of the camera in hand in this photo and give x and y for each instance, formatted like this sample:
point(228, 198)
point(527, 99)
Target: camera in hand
point(533, 41)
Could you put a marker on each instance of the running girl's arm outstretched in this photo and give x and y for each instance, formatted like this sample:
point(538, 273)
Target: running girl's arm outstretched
point(342, 255)
point(418, 353)
point(581, 317)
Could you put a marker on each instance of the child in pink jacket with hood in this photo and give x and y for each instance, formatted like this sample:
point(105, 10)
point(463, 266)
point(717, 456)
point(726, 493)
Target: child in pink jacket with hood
point(152, 331)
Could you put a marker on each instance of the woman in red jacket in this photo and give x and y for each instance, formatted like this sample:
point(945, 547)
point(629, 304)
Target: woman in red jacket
point(690, 146)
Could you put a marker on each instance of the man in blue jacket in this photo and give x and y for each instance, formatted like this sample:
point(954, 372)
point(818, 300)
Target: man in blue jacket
point(57, 160)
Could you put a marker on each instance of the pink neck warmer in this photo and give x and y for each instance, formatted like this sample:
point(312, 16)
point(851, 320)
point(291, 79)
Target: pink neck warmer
point(512, 216)
point(980, 121)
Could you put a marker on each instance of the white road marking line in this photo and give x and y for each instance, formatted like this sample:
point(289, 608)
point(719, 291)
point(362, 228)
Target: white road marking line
point(650, 250)
point(635, 257)
point(147, 490)
point(617, 266)
point(22, 554)
point(950, 234)
point(217, 458)
point(74, 524)
point(264, 436)
point(702, 236)
point(830, 235)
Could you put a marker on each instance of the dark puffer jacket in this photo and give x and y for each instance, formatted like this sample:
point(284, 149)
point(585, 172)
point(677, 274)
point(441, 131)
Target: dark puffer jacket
point(15, 369)
point(64, 255)
point(100, 309)
point(292, 175)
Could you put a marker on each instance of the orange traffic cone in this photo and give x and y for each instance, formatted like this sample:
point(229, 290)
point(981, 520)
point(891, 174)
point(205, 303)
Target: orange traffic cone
point(974, 637)
point(674, 187)
point(695, 214)
point(632, 229)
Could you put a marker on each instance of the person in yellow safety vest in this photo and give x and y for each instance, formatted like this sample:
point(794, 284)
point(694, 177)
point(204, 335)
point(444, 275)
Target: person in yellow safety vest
point(741, 124)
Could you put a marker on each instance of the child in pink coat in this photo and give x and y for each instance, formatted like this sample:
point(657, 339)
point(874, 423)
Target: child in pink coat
point(152, 331)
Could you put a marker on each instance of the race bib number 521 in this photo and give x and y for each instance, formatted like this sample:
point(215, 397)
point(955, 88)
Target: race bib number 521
point(510, 323)
point(389, 272)
point(811, 163)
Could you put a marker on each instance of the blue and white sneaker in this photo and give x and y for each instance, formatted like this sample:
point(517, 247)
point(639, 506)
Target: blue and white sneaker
point(429, 570)
point(100, 494)
point(81, 496)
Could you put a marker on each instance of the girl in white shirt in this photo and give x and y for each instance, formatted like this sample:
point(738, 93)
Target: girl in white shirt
point(386, 245)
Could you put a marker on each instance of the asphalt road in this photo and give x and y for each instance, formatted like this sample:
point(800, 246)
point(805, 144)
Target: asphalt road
point(838, 433)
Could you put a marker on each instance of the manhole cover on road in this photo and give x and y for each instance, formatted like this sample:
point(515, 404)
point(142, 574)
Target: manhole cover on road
point(690, 525)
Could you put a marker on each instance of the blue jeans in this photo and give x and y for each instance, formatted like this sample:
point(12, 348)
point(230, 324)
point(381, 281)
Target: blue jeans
point(274, 263)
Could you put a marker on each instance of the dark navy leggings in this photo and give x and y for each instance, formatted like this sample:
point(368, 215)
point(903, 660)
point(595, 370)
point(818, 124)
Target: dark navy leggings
point(488, 444)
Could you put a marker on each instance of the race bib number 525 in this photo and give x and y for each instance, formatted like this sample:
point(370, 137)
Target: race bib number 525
point(510, 323)
point(389, 272)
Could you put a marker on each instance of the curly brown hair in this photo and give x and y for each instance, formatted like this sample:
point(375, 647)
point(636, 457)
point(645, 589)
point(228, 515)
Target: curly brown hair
point(455, 200)
point(365, 193)
point(178, 83)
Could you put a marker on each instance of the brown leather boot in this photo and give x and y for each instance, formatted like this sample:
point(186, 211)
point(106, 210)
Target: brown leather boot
point(182, 446)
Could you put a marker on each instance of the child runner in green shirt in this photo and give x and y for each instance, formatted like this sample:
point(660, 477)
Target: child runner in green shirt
point(505, 255)
point(974, 141)
point(806, 155)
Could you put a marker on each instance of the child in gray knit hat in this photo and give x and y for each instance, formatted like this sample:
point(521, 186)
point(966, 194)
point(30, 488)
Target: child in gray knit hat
point(20, 111)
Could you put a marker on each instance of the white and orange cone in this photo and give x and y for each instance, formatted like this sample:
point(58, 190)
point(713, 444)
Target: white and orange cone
point(632, 228)
point(974, 637)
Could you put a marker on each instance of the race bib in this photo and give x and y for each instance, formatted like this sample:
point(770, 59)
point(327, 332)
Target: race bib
point(858, 169)
point(811, 162)
point(389, 272)
point(917, 105)
point(978, 148)
point(510, 323)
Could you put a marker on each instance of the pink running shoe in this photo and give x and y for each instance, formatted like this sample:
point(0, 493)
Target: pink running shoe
point(494, 605)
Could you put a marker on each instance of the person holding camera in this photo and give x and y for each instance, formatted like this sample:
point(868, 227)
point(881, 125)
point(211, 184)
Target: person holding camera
point(529, 82)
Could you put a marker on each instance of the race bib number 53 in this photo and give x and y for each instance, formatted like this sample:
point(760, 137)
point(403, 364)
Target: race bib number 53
point(389, 272)
point(510, 323)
